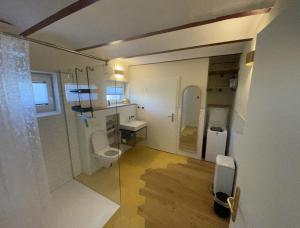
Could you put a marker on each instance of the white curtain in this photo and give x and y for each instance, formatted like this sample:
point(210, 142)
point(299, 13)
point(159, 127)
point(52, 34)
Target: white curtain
point(24, 190)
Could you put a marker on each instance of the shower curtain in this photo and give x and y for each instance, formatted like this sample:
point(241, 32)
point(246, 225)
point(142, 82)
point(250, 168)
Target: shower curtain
point(24, 190)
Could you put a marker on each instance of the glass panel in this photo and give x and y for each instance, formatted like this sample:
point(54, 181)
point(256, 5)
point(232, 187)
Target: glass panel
point(93, 135)
point(74, 143)
point(190, 110)
point(40, 93)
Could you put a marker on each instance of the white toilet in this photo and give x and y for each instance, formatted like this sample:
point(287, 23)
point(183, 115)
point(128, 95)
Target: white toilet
point(101, 148)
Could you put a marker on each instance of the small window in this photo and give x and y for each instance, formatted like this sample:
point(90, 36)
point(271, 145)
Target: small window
point(115, 93)
point(45, 90)
point(40, 92)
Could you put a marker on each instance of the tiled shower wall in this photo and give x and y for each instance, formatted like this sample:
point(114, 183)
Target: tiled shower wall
point(56, 152)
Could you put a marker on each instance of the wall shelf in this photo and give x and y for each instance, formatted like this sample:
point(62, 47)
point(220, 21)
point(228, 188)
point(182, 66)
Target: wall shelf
point(80, 91)
point(222, 72)
point(79, 108)
point(220, 89)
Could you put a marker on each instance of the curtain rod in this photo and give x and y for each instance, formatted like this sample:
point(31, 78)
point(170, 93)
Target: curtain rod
point(54, 46)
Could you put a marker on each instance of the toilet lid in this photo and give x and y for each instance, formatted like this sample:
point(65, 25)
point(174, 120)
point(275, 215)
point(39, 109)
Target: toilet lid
point(99, 140)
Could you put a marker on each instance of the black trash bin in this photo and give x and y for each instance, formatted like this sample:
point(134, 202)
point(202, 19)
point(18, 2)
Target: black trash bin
point(220, 205)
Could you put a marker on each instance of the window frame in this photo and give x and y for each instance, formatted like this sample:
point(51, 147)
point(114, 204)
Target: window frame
point(53, 106)
point(116, 84)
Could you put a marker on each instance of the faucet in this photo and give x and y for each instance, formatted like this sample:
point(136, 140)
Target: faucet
point(130, 118)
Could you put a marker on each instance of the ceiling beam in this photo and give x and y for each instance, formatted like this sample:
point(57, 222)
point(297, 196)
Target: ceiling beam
point(5, 22)
point(187, 48)
point(74, 7)
point(185, 26)
point(184, 59)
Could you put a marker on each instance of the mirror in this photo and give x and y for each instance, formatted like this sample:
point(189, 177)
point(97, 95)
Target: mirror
point(190, 110)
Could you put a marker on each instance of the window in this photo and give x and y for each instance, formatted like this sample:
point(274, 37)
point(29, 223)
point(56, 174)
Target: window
point(115, 93)
point(45, 90)
point(40, 91)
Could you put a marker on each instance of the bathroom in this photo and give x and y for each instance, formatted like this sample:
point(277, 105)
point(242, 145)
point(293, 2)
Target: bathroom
point(136, 112)
point(120, 124)
point(67, 135)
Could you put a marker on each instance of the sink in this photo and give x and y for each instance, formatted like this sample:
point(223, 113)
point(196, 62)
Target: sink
point(133, 125)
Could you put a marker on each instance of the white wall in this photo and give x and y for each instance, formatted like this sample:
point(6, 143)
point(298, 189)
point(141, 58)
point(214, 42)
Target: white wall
point(239, 112)
point(268, 152)
point(55, 147)
point(53, 130)
point(244, 82)
point(89, 163)
point(191, 72)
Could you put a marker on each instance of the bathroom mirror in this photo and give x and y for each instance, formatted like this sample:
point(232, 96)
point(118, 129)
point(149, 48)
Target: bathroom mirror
point(190, 110)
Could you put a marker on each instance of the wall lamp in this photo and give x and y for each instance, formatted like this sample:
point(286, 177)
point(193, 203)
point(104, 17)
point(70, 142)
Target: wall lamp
point(250, 58)
point(119, 74)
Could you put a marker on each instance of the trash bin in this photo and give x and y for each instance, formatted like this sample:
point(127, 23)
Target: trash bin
point(220, 205)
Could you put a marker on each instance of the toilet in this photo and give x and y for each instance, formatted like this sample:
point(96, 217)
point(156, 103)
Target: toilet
point(101, 148)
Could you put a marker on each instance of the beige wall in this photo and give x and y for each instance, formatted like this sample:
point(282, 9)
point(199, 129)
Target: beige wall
point(244, 82)
point(191, 72)
point(239, 114)
point(268, 151)
point(240, 105)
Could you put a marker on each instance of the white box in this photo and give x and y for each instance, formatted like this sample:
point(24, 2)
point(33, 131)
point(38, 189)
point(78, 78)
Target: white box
point(216, 144)
point(224, 174)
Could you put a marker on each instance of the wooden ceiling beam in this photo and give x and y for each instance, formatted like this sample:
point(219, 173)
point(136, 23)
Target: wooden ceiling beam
point(74, 7)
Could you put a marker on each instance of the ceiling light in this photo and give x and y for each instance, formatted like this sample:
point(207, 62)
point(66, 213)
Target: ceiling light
point(120, 72)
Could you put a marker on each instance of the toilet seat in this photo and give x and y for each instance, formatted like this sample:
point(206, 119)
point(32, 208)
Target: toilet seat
point(101, 148)
point(102, 154)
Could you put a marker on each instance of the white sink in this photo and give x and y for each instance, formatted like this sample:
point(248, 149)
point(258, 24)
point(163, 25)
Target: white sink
point(133, 125)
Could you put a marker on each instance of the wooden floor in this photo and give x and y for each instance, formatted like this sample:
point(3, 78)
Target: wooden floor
point(141, 170)
point(179, 196)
